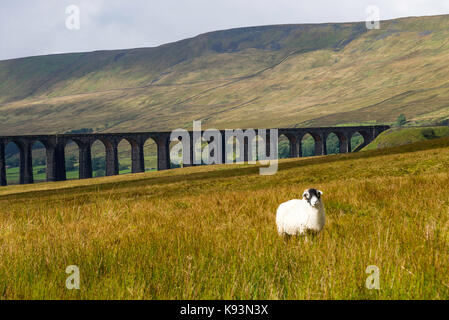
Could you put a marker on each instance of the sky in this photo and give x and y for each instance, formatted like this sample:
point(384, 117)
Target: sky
point(29, 28)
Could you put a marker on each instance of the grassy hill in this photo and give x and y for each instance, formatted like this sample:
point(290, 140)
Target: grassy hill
point(209, 232)
point(270, 76)
point(403, 135)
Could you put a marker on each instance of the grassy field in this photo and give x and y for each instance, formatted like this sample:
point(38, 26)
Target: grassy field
point(209, 232)
point(39, 174)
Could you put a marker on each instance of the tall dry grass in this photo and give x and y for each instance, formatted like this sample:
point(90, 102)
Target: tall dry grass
point(209, 232)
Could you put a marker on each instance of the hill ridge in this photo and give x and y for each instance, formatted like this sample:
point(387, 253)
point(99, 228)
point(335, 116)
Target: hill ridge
point(283, 75)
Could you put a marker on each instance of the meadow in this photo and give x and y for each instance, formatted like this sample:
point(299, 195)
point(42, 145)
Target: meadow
point(209, 232)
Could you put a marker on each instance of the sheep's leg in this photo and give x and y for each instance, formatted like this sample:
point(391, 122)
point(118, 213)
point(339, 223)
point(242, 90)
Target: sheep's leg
point(306, 239)
point(309, 236)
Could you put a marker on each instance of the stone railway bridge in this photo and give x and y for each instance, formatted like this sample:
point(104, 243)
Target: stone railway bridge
point(55, 148)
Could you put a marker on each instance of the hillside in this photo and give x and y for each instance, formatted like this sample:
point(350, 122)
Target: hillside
point(400, 136)
point(270, 76)
point(209, 232)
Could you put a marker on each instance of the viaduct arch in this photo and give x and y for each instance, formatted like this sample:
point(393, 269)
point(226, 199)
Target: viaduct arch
point(55, 149)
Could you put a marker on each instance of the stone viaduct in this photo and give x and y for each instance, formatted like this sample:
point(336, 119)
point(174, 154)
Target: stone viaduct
point(55, 148)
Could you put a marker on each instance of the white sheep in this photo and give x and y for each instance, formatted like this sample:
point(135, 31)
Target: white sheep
point(300, 216)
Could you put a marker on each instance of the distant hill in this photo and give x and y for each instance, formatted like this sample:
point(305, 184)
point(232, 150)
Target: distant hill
point(269, 76)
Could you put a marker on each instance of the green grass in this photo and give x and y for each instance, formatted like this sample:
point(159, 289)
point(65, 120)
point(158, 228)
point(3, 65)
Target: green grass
point(209, 232)
point(12, 174)
point(403, 135)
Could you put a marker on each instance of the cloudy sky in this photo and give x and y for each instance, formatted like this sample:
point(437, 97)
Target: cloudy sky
point(30, 28)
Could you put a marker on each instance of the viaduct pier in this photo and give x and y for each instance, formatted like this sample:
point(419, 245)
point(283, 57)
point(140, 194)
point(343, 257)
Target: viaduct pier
point(55, 148)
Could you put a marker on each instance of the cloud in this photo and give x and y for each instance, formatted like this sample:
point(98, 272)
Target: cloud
point(38, 27)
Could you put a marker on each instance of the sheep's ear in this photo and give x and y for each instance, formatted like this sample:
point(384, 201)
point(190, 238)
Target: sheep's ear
point(305, 194)
point(320, 192)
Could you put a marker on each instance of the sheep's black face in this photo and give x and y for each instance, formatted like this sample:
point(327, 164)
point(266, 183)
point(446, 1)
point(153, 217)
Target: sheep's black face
point(312, 196)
